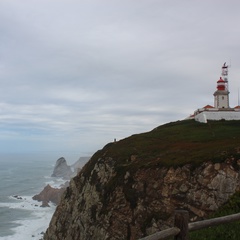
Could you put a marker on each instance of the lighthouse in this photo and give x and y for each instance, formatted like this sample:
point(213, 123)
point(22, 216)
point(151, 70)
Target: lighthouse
point(221, 109)
point(221, 95)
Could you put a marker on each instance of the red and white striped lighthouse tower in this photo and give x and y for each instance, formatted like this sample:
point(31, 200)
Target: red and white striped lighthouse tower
point(221, 96)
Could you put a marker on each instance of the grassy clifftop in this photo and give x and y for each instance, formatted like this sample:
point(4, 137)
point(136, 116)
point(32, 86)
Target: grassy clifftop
point(177, 143)
point(170, 145)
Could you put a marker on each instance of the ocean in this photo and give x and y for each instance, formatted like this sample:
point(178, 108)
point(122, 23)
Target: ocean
point(21, 177)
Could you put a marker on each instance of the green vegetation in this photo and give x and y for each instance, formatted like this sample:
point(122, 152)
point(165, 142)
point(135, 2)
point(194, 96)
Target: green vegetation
point(174, 144)
point(229, 231)
point(171, 145)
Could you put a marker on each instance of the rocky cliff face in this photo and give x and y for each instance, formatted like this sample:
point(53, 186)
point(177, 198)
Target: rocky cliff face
point(105, 202)
point(130, 188)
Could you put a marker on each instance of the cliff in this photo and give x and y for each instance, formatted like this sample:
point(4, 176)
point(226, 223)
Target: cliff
point(130, 188)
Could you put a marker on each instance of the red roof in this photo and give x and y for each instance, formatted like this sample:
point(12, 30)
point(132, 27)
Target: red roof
point(208, 106)
point(237, 106)
point(220, 80)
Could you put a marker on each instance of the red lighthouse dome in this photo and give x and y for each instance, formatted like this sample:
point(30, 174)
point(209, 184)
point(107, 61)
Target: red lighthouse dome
point(221, 84)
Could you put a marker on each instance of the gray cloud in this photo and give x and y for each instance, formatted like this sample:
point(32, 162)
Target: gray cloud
point(74, 75)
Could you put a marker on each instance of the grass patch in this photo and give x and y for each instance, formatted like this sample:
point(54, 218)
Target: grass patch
point(177, 143)
point(171, 145)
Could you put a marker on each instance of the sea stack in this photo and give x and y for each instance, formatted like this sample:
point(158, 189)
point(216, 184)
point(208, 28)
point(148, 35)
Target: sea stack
point(61, 169)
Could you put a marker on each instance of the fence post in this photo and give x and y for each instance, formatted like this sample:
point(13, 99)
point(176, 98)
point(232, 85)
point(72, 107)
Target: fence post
point(181, 222)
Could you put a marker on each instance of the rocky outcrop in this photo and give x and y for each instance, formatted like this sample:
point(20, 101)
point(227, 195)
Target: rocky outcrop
point(61, 169)
point(78, 165)
point(106, 201)
point(49, 194)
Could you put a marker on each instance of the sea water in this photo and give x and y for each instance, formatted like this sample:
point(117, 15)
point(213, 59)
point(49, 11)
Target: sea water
point(21, 177)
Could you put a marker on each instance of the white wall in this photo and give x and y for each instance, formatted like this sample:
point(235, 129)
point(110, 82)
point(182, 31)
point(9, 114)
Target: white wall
point(206, 115)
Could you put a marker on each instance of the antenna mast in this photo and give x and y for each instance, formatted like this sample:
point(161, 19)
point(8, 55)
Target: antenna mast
point(238, 96)
point(225, 75)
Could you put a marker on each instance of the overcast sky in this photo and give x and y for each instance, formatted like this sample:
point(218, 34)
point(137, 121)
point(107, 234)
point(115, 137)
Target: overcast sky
point(75, 74)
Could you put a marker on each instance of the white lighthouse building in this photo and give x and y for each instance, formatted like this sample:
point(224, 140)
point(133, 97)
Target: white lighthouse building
point(221, 96)
point(221, 109)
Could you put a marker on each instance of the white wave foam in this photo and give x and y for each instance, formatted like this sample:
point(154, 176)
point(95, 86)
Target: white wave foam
point(33, 227)
point(55, 182)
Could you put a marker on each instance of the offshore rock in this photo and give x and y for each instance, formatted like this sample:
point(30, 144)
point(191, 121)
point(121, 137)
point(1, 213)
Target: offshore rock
point(49, 194)
point(107, 202)
point(61, 169)
point(77, 166)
